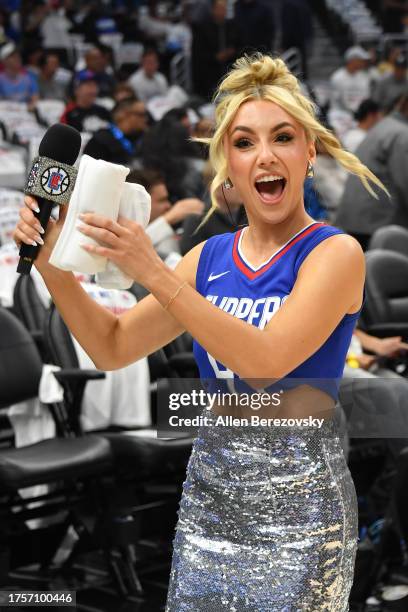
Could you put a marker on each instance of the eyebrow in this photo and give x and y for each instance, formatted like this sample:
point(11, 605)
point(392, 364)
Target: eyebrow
point(244, 128)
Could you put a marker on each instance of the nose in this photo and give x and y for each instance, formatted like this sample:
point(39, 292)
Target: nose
point(266, 154)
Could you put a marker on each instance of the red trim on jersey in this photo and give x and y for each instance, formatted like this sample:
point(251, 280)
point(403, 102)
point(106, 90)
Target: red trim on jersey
point(251, 274)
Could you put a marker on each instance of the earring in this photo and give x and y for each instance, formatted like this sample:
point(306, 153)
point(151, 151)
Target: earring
point(310, 170)
point(228, 184)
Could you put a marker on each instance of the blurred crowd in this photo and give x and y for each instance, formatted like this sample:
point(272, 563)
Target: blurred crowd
point(137, 78)
point(62, 61)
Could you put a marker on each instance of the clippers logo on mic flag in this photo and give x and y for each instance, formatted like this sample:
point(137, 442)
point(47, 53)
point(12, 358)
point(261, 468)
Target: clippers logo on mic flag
point(47, 180)
point(55, 181)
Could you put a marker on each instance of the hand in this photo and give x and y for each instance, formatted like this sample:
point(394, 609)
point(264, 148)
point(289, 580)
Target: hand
point(365, 361)
point(390, 346)
point(182, 209)
point(28, 231)
point(124, 242)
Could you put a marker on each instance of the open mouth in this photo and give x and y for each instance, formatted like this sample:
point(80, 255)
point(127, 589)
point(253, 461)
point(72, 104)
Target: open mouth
point(270, 187)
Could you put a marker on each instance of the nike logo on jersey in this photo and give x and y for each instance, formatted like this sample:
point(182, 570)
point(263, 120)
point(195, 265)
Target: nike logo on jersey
point(214, 276)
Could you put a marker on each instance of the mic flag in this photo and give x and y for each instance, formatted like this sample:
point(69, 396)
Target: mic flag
point(51, 180)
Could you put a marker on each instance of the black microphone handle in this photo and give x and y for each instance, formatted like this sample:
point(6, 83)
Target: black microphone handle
point(28, 252)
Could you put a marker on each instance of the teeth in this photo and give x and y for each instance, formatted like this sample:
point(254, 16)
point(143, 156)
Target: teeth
point(270, 178)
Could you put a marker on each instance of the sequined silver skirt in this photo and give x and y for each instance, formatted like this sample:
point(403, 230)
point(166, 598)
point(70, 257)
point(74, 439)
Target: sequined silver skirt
point(267, 522)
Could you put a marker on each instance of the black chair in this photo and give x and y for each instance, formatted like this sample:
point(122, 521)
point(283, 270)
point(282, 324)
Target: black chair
point(62, 352)
point(180, 357)
point(390, 238)
point(385, 312)
point(30, 310)
point(70, 465)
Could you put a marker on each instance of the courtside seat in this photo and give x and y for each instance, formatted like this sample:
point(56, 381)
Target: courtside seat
point(30, 310)
point(72, 469)
point(385, 312)
point(153, 456)
point(390, 238)
point(52, 460)
point(138, 451)
point(48, 460)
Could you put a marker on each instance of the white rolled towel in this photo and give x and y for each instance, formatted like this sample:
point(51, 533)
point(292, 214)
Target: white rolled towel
point(100, 188)
point(135, 204)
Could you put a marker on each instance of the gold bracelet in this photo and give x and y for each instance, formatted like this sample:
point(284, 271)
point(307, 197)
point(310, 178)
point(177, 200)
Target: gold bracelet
point(175, 295)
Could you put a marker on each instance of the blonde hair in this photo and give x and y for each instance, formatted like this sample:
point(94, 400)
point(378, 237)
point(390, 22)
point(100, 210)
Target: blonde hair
point(261, 77)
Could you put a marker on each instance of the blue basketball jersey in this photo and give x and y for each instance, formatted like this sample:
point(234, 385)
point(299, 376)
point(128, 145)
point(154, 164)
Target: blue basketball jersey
point(229, 282)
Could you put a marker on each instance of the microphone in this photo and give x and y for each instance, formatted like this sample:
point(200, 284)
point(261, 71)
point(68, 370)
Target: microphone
point(51, 180)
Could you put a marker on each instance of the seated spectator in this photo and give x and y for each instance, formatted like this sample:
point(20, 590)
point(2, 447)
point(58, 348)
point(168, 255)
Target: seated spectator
point(148, 82)
point(121, 141)
point(350, 85)
point(96, 62)
point(390, 87)
point(50, 87)
point(227, 217)
point(385, 152)
point(164, 215)
point(171, 135)
point(16, 83)
point(83, 113)
point(367, 115)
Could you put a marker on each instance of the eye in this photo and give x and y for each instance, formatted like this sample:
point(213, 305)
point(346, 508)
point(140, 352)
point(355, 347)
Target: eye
point(284, 137)
point(242, 143)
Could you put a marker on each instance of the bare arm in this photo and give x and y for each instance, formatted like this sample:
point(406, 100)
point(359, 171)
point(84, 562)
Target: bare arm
point(115, 341)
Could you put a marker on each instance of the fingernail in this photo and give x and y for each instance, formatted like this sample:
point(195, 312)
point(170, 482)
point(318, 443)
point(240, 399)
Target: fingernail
point(35, 208)
point(33, 242)
point(79, 226)
point(39, 240)
point(40, 229)
point(81, 216)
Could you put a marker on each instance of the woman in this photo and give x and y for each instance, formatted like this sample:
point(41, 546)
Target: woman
point(267, 521)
